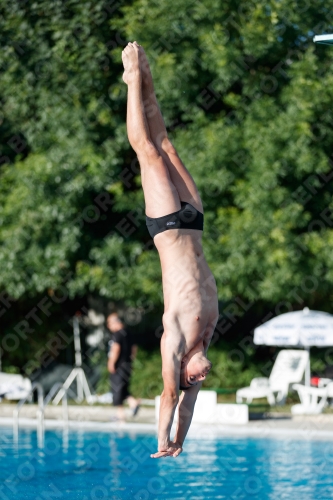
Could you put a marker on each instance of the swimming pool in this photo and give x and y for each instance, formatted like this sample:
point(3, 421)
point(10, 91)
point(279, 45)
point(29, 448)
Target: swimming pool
point(116, 466)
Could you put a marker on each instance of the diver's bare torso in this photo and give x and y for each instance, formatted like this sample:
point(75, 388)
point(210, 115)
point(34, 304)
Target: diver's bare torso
point(189, 288)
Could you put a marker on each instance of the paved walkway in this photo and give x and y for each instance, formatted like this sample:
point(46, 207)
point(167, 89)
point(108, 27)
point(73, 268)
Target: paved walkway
point(80, 413)
point(102, 418)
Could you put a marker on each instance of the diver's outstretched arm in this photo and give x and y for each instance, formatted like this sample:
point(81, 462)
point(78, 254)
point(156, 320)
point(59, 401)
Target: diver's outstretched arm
point(185, 413)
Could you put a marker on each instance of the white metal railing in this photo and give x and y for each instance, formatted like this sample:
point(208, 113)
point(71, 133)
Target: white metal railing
point(40, 414)
point(54, 389)
point(42, 403)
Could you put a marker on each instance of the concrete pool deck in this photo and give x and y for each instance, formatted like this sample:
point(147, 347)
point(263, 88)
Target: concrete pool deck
point(319, 427)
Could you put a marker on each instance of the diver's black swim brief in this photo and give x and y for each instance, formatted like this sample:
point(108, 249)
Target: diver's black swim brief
point(187, 217)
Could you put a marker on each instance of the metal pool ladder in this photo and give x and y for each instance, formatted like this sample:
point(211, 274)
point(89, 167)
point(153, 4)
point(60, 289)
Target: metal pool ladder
point(42, 403)
point(16, 413)
point(54, 389)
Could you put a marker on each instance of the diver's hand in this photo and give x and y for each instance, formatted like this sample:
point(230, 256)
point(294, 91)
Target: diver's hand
point(171, 450)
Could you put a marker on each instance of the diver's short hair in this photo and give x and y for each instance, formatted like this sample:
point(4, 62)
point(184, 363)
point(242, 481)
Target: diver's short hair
point(182, 388)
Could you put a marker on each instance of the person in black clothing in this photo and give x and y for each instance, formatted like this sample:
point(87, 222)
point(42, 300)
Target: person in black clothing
point(121, 354)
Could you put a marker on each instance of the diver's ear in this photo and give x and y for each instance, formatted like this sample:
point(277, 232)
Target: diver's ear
point(184, 360)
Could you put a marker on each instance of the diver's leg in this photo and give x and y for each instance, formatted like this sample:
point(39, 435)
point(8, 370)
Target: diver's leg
point(121, 414)
point(179, 174)
point(134, 404)
point(161, 196)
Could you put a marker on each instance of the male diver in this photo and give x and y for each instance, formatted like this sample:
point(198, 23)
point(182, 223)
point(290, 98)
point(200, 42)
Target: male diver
point(175, 221)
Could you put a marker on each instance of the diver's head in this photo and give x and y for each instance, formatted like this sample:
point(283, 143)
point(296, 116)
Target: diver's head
point(194, 367)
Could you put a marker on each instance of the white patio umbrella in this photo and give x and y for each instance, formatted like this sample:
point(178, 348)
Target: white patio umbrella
point(299, 328)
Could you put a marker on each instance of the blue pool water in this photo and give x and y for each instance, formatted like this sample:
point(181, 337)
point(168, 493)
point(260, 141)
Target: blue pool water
point(111, 466)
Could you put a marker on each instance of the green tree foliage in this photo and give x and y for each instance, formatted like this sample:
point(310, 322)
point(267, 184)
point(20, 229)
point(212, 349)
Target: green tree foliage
point(246, 96)
point(254, 94)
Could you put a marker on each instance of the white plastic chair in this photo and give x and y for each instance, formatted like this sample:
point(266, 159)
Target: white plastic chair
point(313, 399)
point(289, 368)
point(14, 387)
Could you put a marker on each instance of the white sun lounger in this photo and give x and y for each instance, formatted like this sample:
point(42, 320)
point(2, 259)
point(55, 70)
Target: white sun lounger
point(289, 368)
point(14, 387)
